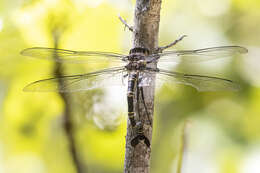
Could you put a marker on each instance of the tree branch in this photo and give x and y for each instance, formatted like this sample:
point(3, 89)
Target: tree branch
point(160, 49)
point(183, 146)
point(68, 122)
point(125, 23)
point(145, 34)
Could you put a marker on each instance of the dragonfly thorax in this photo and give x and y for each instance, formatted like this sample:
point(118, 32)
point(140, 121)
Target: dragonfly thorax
point(137, 59)
point(136, 65)
point(138, 53)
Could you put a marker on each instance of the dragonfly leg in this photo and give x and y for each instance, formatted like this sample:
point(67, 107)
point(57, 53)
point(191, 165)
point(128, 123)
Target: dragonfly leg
point(145, 107)
point(124, 76)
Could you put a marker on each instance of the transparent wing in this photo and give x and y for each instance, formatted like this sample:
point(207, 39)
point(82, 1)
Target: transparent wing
point(112, 76)
point(201, 83)
point(200, 54)
point(146, 78)
point(71, 56)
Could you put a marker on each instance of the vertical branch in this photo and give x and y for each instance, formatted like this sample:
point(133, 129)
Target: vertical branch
point(183, 146)
point(145, 34)
point(68, 120)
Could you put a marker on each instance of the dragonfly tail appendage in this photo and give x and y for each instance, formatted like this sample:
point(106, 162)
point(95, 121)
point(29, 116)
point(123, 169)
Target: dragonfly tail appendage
point(140, 136)
point(136, 140)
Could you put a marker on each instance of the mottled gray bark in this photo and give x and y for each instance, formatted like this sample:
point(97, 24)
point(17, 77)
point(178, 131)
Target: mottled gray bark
point(145, 34)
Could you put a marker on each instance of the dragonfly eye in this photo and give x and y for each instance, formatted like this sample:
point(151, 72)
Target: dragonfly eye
point(141, 50)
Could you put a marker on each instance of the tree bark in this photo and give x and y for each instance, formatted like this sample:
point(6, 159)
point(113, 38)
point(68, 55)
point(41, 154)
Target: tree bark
point(145, 34)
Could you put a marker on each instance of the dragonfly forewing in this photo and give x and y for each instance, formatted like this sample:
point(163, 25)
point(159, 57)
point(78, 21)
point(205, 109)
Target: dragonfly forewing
point(70, 56)
point(73, 83)
point(199, 55)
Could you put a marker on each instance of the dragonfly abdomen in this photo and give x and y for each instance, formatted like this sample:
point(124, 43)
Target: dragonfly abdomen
point(130, 97)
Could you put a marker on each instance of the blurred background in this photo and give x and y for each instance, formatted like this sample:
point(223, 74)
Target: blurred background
point(222, 135)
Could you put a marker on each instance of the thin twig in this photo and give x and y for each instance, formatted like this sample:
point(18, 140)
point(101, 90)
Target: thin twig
point(125, 23)
point(160, 49)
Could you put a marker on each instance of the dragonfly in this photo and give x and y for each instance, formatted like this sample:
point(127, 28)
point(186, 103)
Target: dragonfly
point(137, 68)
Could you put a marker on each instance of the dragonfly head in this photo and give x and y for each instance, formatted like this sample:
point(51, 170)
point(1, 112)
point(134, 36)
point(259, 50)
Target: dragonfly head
point(139, 50)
